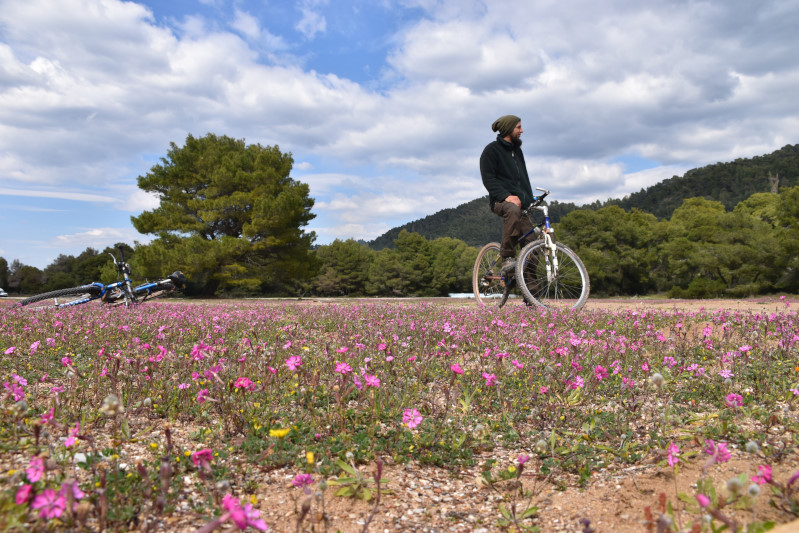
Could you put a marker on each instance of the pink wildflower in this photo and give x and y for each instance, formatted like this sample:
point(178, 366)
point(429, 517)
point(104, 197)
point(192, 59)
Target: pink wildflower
point(35, 470)
point(523, 459)
point(73, 433)
point(718, 452)
point(357, 381)
point(456, 368)
point(542, 389)
point(734, 400)
point(371, 381)
point(343, 368)
point(412, 418)
point(343, 349)
point(764, 476)
point(23, 494)
point(202, 457)
point(517, 364)
point(745, 348)
point(673, 453)
point(10, 350)
point(242, 516)
point(47, 418)
point(51, 505)
point(244, 383)
point(203, 395)
point(66, 361)
point(576, 383)
point(183, 386)
point(600, 372)
point(71, 486)
point(16, 390)
point(645, 366)
point(491, 379)
point(294, 362)
point(301, 480)
point(703, 500)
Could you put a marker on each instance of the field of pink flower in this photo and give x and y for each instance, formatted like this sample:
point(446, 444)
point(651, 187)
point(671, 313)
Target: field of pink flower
point(353, 416)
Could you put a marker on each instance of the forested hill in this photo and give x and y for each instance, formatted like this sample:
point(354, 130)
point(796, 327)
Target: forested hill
point(472, 222)
point(728, 183)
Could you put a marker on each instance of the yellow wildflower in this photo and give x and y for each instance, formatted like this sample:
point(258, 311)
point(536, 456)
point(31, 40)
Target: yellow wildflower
point(279, 433)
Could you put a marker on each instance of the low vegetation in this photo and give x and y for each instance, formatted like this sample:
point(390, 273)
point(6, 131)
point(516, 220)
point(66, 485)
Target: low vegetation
point(318, 390)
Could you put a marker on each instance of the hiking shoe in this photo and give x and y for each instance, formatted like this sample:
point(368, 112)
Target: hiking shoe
point(508, 263)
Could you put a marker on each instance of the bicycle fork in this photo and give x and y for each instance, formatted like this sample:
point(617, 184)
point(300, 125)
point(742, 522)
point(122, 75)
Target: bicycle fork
point(551, 264)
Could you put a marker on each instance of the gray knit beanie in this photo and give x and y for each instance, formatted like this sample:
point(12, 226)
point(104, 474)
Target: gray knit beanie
point(504, 125)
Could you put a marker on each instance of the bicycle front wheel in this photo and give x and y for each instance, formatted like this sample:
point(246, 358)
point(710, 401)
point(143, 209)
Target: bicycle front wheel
point(487, 283)
point(552, 279)
point(63, 297)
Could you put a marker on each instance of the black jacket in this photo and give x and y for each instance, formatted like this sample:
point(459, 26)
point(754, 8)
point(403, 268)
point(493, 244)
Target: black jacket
point(504, 172)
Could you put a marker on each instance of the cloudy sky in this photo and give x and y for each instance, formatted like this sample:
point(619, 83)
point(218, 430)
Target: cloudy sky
point(384, 104)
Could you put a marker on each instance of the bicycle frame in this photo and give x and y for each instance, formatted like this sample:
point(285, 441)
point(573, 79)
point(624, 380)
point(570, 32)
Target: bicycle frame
point(547, 272)
point(129, 293)
point(120, 292)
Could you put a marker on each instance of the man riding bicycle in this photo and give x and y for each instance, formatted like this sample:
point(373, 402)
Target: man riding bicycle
point(504, 174)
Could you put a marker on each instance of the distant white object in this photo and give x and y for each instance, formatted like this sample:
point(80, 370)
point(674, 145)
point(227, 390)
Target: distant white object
point(3, 293)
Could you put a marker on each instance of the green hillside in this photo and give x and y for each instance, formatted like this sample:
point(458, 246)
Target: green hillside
point(728, 183)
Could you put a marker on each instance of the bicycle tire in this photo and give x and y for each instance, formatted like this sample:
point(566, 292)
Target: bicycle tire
point(161, 288)
point(62, 297)
point(569, 290)
point(486, 281)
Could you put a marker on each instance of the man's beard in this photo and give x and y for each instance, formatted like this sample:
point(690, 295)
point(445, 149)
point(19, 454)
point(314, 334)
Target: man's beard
point(517, 141)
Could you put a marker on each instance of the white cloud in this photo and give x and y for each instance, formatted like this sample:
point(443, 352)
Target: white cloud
point(62, 195)
point(246, 24)
point(135, 200)
point(98, 238)
point(88, 86)
point(312, 21)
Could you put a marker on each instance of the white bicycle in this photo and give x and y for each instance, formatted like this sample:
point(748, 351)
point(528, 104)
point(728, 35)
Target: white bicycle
point(548, 273)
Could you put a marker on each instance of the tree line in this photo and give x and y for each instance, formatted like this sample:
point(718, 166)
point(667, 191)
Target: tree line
point(232, 219)
point(702, 251)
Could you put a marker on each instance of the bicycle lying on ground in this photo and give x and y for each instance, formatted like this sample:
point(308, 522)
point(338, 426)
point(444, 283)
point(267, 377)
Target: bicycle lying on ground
point(119, 293)
point(547, 272)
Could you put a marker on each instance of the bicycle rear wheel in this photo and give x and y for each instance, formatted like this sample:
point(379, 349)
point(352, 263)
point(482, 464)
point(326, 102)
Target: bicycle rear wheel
point(487, 284)
point(161, 288)
point(63, 297)
point(565, 288)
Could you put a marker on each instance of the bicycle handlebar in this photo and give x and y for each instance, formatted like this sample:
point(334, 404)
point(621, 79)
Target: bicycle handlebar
point(538, 200)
